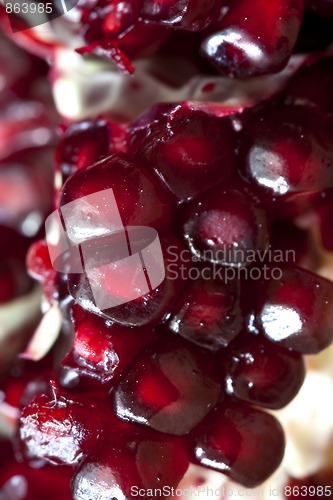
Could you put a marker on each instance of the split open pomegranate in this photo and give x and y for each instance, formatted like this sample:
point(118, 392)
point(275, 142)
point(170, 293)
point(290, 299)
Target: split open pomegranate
point(182, 293)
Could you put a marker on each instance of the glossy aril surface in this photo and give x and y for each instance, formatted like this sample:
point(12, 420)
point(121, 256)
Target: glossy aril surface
point(296, 311)
point(58, 430)
point(261, 373)
point(208, 313)
point(150, 307)
point(81, 145)
point(190, 151)
point(189, 15)
point(254, 38)
point(235, 436)
point(40, 268)
point(19, 481)
point(225, 225)
point(170, 388)
point(103, 351)
point(130, 461)
point(288, 155)
point(139, 198)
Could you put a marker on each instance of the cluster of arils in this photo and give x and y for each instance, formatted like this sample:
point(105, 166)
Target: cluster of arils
point(239, 38)
point(179, 374)
point(130, 395)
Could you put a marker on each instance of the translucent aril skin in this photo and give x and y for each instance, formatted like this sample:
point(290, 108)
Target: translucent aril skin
point(261, 373)
point(191, 15)
point(208, 313)
point(111, 32)
point(149, 309)
point(225, 224)
point(140, 199)
point(40, 268)
point(170, 388)
point(254, 38)
point(130, 460)
point(81, 145)
point(58, 431)
point(296, 311)
point(103, 351)
point(189, 150)
point(234, 437)
point(19, 481)
point(288, 155)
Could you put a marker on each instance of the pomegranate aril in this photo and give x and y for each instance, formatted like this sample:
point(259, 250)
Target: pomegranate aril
point(140, 199)
point(19, 481)
point(138, 41)
point(189, 15)
point(288, 155)
point(189, 150)
point(226, 225)
point(57, 430)
point(208, 313)
point(128, 462)
point(148, 308)
point(243, 443)
point(261, 373)
point(81, 145)
point(40, 268)
point(170, 387)
point(296, 311)
point(254, 38)
point(103, 351)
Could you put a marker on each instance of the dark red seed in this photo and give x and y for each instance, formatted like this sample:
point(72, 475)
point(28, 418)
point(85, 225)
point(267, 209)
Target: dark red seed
point(254, 38)
point(225, 225)
point(140, 199)
point(19, 481)
point(130, 461)
point(170, 387)
point(296, 310)
point(288, 155)
point(243, 443)
point(208, 313)
point(189, 15)
point(102, 351)
point(262, 373)
point(81, 145)
point(190, 150)
point(150, 307)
